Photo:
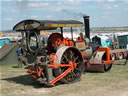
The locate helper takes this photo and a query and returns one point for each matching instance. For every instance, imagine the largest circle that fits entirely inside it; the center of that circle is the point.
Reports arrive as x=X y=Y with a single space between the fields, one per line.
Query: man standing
x=126 y=52
x=19 y=54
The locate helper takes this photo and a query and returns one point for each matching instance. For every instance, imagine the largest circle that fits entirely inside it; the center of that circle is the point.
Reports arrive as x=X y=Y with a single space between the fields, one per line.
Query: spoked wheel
x=113 y=56
x=56 y=42
x=121 y=56
x=53 y=42
x=69 y=56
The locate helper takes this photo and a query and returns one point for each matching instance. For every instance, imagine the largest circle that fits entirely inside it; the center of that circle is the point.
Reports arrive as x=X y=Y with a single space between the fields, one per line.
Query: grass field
x=16 y=82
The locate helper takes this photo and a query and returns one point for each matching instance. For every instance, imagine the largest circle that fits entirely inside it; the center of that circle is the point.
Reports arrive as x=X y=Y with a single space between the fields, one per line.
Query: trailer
x=118 y=54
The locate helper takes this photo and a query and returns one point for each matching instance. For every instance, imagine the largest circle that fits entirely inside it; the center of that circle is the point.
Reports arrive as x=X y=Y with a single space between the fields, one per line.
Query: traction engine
x=62 y=59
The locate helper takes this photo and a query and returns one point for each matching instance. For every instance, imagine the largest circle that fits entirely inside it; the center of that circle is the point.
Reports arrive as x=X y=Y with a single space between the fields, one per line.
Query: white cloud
x=13 y=11
x=107 y=13
x=109 y=7
x=20 y=0
x=37 y=4
x=73 y=2
x=111 y=0
x=50 y=18
x=5 y=0
x=96 y=0
x=34 y=17
x=59 y=3
x=13 y=0
x=8 y=19
x=59 y=9
x=34 y=0
x=116 y=6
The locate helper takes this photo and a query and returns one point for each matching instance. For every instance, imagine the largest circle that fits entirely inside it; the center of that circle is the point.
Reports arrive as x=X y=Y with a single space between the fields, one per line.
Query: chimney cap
x=86 y=16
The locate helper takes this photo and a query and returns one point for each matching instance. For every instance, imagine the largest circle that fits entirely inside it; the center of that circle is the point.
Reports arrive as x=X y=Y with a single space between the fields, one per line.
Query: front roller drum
x=69 y=55
x=99 y=68
x=98 y=58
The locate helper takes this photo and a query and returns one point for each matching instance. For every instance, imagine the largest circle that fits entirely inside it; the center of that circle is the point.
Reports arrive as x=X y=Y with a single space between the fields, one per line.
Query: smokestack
x=86 y=26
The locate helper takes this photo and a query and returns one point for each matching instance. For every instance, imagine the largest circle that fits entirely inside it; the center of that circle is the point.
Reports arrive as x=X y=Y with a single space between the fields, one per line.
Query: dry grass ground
x=16 y=82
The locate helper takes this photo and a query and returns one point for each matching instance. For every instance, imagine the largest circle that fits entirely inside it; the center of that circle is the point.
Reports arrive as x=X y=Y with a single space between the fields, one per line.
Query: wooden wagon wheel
x=69 y=55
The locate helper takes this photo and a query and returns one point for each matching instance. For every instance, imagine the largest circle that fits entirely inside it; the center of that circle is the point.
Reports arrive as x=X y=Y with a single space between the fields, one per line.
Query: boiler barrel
x=88 y=52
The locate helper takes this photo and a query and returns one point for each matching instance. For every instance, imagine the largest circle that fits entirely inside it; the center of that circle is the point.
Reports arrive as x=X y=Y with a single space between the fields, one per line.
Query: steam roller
x=58 y=59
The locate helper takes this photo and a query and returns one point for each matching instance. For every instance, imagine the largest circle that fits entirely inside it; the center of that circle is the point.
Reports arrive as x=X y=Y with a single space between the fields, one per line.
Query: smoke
x=22 y=4
x=74 y=14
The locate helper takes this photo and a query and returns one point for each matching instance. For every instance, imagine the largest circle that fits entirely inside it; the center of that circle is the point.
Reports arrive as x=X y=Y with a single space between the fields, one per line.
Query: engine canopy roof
x=45 y=24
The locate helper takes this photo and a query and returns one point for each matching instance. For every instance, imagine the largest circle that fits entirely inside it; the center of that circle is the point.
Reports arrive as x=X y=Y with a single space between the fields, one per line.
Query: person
x=81 y=36
x=126 y=53
x=19 y=54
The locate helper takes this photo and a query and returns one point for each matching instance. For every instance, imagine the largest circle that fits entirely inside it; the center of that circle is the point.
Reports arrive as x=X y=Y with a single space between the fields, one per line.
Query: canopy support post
x=72 y=33
x=61 y=28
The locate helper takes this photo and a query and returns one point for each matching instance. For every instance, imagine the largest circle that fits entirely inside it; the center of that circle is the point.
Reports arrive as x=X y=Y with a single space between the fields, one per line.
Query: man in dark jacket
x=19 y=53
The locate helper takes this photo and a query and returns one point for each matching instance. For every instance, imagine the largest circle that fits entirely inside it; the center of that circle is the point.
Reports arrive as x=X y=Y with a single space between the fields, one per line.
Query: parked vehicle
x=116 y=53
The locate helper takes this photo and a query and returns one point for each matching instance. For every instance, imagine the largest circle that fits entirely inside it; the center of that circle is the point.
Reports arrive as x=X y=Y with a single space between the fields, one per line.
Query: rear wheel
x=69 y=55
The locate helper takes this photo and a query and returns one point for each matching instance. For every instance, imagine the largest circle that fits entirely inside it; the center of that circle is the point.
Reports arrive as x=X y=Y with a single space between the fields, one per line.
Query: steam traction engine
x=61 y=59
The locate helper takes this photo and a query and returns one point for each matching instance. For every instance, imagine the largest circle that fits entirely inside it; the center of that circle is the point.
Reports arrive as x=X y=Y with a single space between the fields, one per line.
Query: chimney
x=86 y=26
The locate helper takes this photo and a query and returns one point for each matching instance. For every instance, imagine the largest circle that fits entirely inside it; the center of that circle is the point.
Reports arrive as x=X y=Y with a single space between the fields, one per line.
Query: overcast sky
x=103 y=13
